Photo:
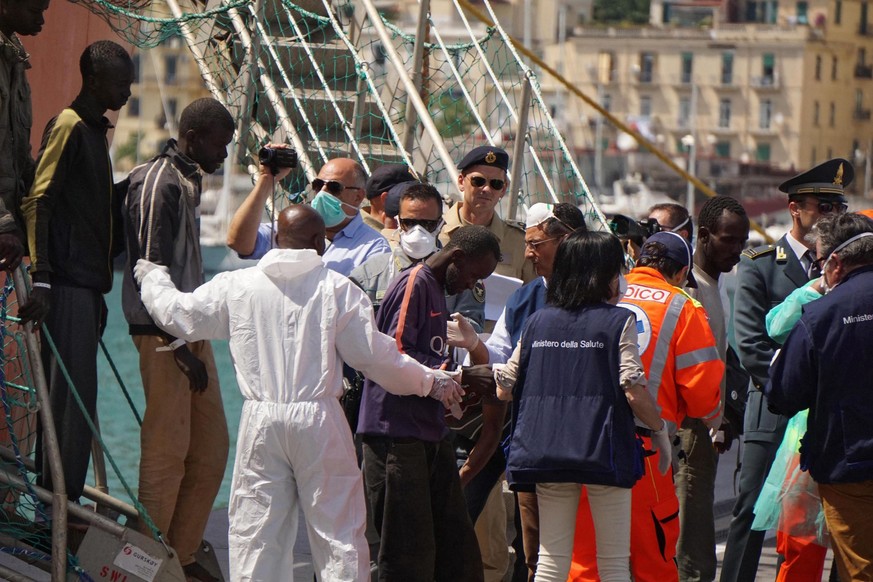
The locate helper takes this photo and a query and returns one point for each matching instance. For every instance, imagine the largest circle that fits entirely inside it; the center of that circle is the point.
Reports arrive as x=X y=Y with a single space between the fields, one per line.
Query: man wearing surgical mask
x=419 y=218
x=337 y=194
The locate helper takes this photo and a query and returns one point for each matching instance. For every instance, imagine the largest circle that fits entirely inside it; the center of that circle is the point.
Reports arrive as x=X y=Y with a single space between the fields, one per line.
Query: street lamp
x=688 y=142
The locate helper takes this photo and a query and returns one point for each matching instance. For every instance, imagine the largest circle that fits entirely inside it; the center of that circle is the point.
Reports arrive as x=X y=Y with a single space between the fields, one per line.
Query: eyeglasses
x=480 y=181
x=533 y=244
x=829 y=207
x=819 y=263
x=428 y=225
x=333 y=187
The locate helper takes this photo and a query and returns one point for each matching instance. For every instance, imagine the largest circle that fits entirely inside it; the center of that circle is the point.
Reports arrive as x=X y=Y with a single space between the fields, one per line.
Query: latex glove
x=37 y=307
x=11 y=251
x=192 y=366
x=661 y=443
x=446 y=390
x=460 y=333
x=144 y=267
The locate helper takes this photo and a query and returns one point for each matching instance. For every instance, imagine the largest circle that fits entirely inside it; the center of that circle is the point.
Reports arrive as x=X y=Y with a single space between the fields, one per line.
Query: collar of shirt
x=351 y=229
x=454 y=221
x=189 y=168
x=90 y=116
x=799 y=250
x=12 y=47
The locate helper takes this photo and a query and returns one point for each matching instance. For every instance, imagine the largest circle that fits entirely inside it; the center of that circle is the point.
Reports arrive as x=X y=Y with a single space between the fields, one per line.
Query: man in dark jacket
x=73 y=217
x=17 y=18
x=824 y=366
x=184 y=437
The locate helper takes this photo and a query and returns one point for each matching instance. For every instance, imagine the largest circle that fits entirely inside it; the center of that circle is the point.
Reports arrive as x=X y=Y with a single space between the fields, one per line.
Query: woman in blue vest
x=578 y=382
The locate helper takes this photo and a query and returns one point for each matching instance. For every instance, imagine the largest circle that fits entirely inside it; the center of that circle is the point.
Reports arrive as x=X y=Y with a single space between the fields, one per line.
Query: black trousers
x=75 y=324
x=419 y=509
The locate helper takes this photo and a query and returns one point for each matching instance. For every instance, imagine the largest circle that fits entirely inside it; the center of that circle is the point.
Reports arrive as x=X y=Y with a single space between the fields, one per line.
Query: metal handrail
x=57 y=497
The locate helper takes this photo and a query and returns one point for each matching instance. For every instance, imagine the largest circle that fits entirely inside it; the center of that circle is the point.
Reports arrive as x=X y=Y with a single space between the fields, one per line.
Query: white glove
x=446 y=390
x=661 y=443
x=144 y=267
x=460 y=333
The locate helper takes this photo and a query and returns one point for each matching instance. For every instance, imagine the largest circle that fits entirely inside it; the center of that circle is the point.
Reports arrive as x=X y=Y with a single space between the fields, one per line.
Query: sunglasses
x=479 y=182
x=332 y=186
x=829 y=207
x=428 y=225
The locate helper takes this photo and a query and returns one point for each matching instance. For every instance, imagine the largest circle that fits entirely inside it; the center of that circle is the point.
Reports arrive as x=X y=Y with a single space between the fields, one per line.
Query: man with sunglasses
x=337 y=192
x=765 y=277
x=420 y=218
x=673 y=217
x=483 y=182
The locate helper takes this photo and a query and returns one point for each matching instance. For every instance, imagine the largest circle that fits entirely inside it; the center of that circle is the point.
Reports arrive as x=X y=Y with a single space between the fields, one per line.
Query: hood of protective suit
x=285 y=264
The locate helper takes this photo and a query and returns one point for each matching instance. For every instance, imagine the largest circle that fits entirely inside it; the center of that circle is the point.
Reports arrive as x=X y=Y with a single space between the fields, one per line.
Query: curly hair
x=204 y=115
x=100 y=55
x=713 y=208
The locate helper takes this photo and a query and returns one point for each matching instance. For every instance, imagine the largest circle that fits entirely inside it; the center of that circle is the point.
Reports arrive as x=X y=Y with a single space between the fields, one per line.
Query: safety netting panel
x=318 y=75
x=25 y=522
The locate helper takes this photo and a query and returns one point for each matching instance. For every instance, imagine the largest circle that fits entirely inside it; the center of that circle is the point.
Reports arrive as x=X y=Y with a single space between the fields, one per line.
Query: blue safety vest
x=571 y=422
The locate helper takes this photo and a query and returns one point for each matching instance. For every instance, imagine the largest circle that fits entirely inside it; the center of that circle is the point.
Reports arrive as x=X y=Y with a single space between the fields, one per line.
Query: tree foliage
x=621 y=11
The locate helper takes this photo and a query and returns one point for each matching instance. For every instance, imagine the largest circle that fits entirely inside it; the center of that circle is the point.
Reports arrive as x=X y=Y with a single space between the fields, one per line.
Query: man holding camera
x=338 y=192
x=184 y=432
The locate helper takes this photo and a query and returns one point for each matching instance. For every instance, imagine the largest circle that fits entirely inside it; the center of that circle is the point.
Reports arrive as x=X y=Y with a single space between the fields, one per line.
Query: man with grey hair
x=824 y=366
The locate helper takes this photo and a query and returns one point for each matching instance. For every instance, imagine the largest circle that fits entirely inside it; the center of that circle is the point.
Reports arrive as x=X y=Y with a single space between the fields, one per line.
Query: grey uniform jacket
x=765 y=277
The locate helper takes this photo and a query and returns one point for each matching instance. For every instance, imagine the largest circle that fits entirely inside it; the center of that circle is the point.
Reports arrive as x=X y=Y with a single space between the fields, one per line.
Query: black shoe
x=195 y=571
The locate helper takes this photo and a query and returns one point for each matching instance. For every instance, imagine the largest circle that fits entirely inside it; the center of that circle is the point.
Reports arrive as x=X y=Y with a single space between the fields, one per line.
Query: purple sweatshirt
x=413 y=312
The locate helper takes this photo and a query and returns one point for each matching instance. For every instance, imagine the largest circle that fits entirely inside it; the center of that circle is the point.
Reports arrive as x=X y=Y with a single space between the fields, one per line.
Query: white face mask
x=622 y=286
x=417 y=242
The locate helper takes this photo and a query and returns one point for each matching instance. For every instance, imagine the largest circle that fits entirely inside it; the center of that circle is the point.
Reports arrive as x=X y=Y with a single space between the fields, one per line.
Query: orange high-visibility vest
x=677 y=348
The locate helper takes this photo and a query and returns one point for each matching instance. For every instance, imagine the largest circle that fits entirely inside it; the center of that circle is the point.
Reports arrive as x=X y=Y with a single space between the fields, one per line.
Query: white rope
x=294 y=97
x=374 y=92
x=460 y=80
x=347 y=128
x=551 y=122
x=498 y=84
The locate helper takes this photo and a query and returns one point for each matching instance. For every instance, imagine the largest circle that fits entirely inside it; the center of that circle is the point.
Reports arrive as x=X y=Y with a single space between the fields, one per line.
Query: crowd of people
x=384 y=406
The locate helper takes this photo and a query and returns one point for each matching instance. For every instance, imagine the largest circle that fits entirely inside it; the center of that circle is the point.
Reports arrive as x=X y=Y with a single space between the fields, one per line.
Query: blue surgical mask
x=329 y=207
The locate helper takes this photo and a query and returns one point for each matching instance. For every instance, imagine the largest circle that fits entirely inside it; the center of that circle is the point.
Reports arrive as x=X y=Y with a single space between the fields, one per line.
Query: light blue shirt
x=350 y=247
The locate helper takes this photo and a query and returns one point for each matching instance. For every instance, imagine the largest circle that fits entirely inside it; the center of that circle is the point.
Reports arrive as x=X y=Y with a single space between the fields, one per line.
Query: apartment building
x=789 y=88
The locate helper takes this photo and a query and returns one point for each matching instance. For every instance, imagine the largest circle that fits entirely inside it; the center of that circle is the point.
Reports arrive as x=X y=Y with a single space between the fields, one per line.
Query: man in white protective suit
x=291 y=324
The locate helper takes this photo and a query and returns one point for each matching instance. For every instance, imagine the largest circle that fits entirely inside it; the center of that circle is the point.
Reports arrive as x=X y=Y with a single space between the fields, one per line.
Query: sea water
x=118 y=425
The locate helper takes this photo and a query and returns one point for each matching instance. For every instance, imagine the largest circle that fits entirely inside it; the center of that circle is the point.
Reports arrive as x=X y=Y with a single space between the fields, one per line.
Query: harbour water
x=118 y=425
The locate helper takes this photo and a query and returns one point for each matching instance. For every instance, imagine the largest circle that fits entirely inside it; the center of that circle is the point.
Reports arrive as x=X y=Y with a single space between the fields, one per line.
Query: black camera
x=636 y=230
x=275 y=158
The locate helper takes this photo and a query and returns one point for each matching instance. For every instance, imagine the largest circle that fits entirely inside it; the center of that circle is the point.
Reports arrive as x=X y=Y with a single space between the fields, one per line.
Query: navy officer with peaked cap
x=483 y=182
x=766 y=276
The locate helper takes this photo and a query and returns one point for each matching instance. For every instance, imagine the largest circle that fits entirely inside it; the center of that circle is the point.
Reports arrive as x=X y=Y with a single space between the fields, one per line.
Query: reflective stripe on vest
x=662 y=347
x=696 y=357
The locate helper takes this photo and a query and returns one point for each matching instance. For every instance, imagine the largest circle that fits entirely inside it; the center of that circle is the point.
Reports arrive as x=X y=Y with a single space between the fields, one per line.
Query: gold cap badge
x=838 y=179
x=490 y=158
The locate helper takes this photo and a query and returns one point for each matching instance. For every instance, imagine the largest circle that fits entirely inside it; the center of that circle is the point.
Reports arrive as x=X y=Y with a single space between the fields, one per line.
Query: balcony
x=861 y=115
x=863 y=71
x=766 y=82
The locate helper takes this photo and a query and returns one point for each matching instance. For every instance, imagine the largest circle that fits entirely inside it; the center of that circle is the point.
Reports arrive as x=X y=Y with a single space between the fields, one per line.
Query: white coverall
x=291 y=323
